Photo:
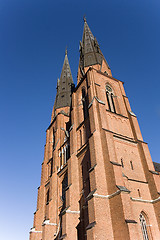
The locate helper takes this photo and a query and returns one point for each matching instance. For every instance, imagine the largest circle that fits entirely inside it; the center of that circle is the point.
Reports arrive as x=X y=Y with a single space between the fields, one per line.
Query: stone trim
x=91 y=194
x=80 y=125
x=141 y=141
x=145 y=201
x=117 y=113
x=92 y=168
x=82 y=149
x=115 y=163
x=98 y=100
x=91 y=225
x=91 y=134
x=97 y=84
x=130 y=221
x=47 y=222
x=134 y=180
x=47 y=183
x=132 y=113
x=66 y=132
x=71 y=127
x=68 y=187
x=73 y=212
x=63 y=236
x=124 y=138
x=107 y=196
x=64 y=211
x=34 y=231
x=154 y=172
x=62 y=170
x=121 y=136
x=50 y=160
x=91 y=103
x=123 y=189
x=36 y=211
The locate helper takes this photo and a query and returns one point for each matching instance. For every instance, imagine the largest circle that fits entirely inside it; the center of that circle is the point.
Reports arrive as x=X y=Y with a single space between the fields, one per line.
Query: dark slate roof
x=64 y=86
x=156 y=166
x=90 y=53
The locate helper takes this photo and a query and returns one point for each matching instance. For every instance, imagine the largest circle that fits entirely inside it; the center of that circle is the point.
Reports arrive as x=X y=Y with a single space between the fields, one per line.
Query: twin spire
x=90 y=54
x=64 y=86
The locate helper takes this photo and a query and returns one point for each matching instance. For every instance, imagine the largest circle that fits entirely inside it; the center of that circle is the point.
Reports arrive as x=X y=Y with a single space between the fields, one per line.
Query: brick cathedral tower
x=98 y=180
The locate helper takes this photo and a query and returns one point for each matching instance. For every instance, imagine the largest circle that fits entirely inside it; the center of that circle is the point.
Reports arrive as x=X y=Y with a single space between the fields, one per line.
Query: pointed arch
x=145 y=226
x=110 y=98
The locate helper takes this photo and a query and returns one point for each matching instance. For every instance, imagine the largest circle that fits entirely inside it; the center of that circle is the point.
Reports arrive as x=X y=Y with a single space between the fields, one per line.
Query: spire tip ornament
x=66 y=51
x=84 y=18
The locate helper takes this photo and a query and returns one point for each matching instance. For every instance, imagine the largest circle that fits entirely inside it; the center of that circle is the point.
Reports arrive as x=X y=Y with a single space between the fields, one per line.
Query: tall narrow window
x=60 y=155
x=80 y=136
x=139 y=194
x=51 y=166
x=64 y=185
x=84 y=102
x=109 y=106
x=114 y=110
x=67 y=152
x=110 y=99
x=144 y=227
x=53 y=139
x=122 y=164
x=131 y=165
x=65 y=156
x=47 y=197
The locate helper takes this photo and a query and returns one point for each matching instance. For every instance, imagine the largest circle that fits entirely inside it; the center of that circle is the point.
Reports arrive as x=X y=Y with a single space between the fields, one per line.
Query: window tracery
x=110 y=99
x=144 y=227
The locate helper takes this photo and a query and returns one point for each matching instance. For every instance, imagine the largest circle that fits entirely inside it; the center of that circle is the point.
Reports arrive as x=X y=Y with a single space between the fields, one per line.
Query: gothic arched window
x=110 y=99
x=144 y=227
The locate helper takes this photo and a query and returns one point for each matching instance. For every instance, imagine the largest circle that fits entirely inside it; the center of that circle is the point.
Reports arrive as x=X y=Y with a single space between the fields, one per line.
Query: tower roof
x=90 y=53
x=64 y=85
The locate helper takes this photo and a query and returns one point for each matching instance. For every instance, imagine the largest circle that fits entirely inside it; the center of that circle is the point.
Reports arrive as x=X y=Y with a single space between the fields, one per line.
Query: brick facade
x=98 y=178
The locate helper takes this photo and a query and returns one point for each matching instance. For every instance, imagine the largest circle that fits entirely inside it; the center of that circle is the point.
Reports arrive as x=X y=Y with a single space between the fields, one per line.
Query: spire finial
x=66 y=51
x=84 y=18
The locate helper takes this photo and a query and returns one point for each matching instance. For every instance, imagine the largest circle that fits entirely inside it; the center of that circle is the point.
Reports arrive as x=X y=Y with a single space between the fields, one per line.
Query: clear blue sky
x=33 y=37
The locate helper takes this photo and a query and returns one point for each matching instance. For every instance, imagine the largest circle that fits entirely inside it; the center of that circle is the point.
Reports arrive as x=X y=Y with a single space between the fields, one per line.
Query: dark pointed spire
x=90 y=53
x=64 y=85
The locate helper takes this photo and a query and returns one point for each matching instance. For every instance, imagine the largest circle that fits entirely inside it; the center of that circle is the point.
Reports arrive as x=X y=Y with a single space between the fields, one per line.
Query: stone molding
x=47 y=222
x=34 y=231
x=145 y=201
x=73 y=212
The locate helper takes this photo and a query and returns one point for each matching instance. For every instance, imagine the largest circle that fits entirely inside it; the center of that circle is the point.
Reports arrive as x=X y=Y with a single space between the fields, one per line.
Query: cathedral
x=98 y=181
